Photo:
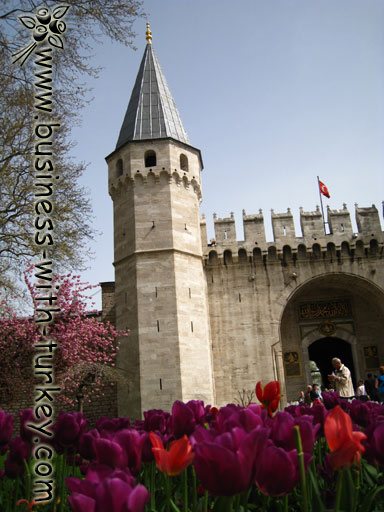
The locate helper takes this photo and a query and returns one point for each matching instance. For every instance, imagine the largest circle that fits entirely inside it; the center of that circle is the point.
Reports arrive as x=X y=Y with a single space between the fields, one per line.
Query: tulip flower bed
x=198 y=458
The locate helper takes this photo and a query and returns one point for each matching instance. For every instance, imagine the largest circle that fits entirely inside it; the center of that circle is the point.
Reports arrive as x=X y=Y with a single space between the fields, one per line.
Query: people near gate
x=361 y=392
x=307 y=395
x=341 y=379
x=380 y=384
x=370 y=388
x=316 y=393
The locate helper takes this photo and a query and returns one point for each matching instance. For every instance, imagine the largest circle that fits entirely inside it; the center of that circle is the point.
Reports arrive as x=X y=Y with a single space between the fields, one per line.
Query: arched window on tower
x=183 y=162
x=119 y=168
x=150 y=158
x=227 y=257
x=242 y=256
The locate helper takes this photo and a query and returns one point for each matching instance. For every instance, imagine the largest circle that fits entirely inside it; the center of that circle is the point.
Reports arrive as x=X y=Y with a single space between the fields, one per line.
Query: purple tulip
x=68 y=430
x=374 y=444
x=103 y=490
x=360 y=413
x=155 y=420
x=18 y=451
x=112 y=424
x=108 y=452
x=183 y=420
x=225 y=464
x=198 y=410
x=26 y=416
x=6 y=427
x=277 y=471
x=332 y=399
x=248 y=419
x=282 y=433
x=86 y=444
x=131 y=443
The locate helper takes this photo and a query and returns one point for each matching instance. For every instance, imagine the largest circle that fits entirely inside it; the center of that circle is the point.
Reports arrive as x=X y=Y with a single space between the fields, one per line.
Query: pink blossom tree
x=86 y=347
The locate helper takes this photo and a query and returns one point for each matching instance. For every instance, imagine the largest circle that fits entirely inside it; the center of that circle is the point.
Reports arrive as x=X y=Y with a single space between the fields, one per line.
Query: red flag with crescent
x=323 y=189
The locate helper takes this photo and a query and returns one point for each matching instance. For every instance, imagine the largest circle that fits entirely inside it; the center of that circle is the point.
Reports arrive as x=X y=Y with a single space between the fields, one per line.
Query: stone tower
x=161 y=293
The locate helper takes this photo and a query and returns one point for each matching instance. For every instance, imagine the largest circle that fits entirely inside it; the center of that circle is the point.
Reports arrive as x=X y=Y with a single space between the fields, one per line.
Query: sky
x=273 y=93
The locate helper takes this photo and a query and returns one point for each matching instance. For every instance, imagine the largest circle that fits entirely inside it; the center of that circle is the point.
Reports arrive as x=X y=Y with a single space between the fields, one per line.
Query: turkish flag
x=323 y=189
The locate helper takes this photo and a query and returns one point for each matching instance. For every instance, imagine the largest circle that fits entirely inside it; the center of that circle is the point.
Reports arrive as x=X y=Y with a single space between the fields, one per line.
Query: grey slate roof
x=151 y=113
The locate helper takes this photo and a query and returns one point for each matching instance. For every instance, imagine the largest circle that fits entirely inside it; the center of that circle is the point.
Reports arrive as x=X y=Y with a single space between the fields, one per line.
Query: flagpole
x=321 y=203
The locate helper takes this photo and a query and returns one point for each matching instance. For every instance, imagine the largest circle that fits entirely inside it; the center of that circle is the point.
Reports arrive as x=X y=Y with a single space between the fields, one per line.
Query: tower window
x=119 y=168
x=150 y=158
x=183 y=162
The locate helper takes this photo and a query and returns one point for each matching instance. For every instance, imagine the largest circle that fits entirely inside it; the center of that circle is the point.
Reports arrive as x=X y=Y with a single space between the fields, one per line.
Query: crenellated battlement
x=339 y=241
x=155 y=176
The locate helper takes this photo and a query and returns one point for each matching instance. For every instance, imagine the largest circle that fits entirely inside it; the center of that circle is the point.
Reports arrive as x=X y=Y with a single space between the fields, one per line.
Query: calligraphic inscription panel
x=292 y=364
x=326 y=309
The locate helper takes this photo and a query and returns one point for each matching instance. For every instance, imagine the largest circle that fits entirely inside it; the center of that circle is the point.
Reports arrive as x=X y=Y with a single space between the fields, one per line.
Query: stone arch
x=213 y=258
x=150 y=159
x=345 y=249
x=227 y=257
x=344 y=346
x=257 y=255
x=139 y=180
x=301 y=252
x=373 y=248
x=185 y=182
x=242 y=255
x=164 y=177
x=331 y=251
x=119 y=168
x=183 y=162
x=287 y=254
x=356 y=306
x=316 y=251
x=151 y=180
x=359 y=249
x=176 y=178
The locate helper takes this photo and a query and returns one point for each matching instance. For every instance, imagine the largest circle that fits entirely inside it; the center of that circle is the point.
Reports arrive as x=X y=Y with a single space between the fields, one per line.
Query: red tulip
x=270 y=396
x=174 y=461
x=345 y=445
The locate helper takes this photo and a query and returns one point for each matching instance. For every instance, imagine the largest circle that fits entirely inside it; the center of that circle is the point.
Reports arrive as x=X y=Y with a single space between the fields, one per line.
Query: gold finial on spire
x=148 y=35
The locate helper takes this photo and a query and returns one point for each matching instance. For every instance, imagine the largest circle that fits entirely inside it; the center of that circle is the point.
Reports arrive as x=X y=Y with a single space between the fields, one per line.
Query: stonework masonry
x=255 y=289
x=208 y=320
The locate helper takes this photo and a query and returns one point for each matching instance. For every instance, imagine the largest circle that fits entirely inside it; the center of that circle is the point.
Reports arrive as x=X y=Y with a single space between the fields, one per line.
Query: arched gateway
x=333 y=315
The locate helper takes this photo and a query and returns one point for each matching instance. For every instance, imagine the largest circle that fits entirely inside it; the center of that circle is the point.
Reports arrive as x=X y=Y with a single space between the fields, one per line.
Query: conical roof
x=152 y=112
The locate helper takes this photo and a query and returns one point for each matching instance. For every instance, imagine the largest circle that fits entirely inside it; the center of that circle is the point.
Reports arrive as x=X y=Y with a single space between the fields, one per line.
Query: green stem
x=300 y=454
x=237 y=502
x=205 y=501
x=339 y=487
x=245 y=500
x=16 y=497
x=194 y=494
x=286 y=503
x=28 y=481
x=228 y=504
x=168 y=492
x=357 y=490
x=185 y=491
x=152 y=485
